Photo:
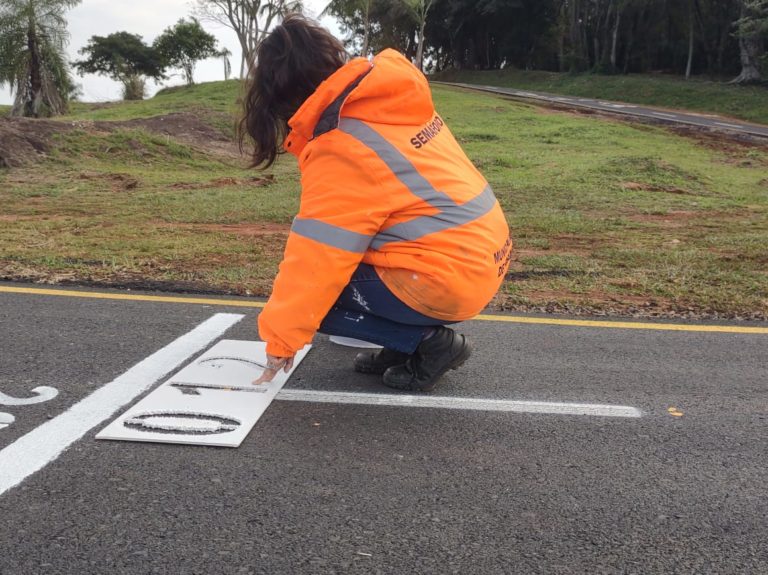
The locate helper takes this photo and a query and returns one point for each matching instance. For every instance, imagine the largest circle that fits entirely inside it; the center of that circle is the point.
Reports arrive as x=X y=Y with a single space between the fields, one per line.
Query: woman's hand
x=274 y=365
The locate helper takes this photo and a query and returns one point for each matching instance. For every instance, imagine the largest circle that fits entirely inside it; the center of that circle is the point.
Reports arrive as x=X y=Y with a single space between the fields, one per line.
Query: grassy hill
x=216 y=97
x=745 y=102
x=607 y=217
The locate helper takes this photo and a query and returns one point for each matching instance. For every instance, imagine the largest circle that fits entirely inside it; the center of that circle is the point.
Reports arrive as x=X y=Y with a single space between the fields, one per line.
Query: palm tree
x=33 y=35
x=224 y=54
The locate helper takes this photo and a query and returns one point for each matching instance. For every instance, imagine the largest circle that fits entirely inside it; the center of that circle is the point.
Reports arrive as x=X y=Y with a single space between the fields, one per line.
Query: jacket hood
x=387 y=90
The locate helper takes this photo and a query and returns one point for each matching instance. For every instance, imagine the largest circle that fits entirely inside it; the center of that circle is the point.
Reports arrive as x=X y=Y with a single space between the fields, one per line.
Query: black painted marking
x=191 y=388
x=238 y=359
x=140 y=423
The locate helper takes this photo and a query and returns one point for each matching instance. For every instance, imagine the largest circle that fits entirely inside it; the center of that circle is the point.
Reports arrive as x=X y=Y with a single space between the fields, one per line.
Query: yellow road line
x=626 y=324
x=482 y=317
x=132 y=297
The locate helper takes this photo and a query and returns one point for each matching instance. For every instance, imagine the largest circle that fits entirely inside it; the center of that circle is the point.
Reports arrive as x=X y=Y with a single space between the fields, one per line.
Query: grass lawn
x=211 y=96
x=607 y=217
x=745 y=102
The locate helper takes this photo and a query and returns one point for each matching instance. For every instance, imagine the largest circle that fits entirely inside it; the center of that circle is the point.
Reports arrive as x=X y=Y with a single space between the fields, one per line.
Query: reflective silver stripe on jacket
x=405 y=171
x=451 y=217
x=331 y=235
x=450 y=214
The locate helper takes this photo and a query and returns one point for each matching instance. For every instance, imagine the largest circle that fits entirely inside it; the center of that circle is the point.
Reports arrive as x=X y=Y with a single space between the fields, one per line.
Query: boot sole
x=369 y=371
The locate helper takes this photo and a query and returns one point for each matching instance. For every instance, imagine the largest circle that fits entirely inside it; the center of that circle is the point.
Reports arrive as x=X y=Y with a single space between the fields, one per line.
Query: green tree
x=183 y=45
x=250 y=20
x=33 y=36
x=355 y=19
x=372 y=25
x=419 y=10
x=125 y=58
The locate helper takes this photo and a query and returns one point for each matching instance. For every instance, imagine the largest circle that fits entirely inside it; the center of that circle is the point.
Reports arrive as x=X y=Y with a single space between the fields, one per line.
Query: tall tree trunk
x=420 y=47
x=630 y=45
x=366 y=28
x=615 y=39
x=706 y=40
x=577 y=45
x=691 y=22
x=562 y=36
x=750 y=46
x=596 y=47
x=605 y=55
x=722 y=46
x=35 y=69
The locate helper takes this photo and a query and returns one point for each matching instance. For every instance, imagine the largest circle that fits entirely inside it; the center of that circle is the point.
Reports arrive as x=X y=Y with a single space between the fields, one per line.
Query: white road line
x=729 y=125
x=459 y=403
x=663 y=115
x=42 y=445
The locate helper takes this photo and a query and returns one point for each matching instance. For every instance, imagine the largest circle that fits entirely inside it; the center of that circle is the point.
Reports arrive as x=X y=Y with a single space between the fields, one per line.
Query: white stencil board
x=209 y=402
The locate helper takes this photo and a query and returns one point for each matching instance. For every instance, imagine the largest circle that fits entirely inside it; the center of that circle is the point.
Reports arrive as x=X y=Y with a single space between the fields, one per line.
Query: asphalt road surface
x=675 y=483
x=663 y=116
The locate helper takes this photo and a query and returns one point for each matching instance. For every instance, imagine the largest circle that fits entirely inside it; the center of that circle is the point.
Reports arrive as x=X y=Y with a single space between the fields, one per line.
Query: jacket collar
x=329 y=96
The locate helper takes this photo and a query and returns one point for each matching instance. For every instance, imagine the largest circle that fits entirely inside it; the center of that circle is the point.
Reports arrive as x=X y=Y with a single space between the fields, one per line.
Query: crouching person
x=397 y=235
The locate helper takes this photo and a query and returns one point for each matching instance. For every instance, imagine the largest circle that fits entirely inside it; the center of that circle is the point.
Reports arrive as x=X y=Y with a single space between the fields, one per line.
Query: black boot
x=443 y=351
x=378 y=362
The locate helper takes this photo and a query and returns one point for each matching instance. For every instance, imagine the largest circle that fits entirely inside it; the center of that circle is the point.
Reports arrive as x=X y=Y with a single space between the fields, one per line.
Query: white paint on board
x=464 y=403
x=44 y=444
x=42 y=394
x=212 y=401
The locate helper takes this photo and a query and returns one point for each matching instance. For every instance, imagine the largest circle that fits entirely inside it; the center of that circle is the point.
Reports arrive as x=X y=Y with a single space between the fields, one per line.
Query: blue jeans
x=367 y=310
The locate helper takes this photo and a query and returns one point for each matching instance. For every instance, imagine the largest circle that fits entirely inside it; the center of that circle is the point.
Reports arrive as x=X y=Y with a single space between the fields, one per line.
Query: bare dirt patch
x=733 y=149
x=597 y=303
x=562 y=245
x=673 y=219
x=27 y=140
x=23 y=141
x=252 y=230
x=655 y=188
x=43 y=217
x=182 y=126
x=253 y=181
x=118 y=182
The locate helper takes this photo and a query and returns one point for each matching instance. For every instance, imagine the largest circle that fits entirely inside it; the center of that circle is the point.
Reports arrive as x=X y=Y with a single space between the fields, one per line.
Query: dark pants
x=367 y=310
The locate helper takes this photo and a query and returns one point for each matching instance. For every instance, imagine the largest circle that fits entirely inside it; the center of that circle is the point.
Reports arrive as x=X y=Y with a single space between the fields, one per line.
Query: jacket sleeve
x=341 y=210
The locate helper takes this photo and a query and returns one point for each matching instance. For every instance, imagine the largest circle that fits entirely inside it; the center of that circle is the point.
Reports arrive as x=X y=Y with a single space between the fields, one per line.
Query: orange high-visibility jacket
x=383 y=182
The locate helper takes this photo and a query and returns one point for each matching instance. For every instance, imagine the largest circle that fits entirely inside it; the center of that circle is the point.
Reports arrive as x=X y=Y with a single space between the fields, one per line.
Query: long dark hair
x=290 y=64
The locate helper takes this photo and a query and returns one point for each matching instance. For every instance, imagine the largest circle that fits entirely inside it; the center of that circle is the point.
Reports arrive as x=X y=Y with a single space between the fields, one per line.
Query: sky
x=148 y=18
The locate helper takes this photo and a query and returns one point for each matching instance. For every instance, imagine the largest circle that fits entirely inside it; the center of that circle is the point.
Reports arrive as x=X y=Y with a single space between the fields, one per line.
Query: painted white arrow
x=44 y=393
